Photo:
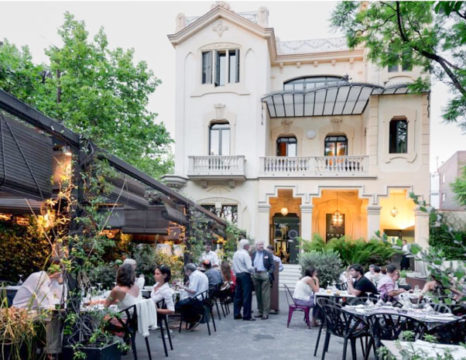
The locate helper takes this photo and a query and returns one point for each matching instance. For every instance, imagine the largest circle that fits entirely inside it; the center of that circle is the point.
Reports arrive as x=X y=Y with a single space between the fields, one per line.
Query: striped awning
x=338 y=99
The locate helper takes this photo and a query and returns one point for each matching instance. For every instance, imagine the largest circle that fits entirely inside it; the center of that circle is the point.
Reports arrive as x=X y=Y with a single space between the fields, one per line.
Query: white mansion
x=293 y=138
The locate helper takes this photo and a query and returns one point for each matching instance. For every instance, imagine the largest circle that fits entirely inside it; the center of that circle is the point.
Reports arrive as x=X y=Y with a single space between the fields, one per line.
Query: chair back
x=390 y=326
x=335 y=319
x=160 y=305
x=322 y=301
x=441 y=308
x=131 y=323
x=289 y=296
x=450 y=333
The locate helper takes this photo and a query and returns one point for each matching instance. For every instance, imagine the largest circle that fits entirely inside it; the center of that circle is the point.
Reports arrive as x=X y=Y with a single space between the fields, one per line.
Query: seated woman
x=161 y=290
x=436 y=287
x=305 y=289
x=227 y=290
x=125 y=293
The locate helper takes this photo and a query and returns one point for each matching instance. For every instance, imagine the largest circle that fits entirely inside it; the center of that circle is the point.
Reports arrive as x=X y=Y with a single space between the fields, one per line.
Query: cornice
x=355 y=55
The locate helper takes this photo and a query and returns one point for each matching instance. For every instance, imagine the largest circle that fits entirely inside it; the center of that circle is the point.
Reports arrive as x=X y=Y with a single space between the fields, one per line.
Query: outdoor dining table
x=424 y=349
x=429 y=318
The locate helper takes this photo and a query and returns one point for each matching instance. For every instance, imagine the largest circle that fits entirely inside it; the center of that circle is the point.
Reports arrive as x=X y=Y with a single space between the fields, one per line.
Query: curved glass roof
x=333 y=99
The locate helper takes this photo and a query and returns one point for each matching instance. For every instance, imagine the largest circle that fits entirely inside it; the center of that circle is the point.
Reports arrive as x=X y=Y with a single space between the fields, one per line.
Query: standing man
x=405 y=258
x=242 y=267
x=210 y=255
x=262 y=261
x=361 y=285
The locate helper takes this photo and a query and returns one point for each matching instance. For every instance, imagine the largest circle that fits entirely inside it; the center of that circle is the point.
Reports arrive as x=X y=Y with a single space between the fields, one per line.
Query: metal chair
x=345 y=325
x=384 y=326
x=321 y=302
x=162 y=323
x=292 y=307
x=450 y=333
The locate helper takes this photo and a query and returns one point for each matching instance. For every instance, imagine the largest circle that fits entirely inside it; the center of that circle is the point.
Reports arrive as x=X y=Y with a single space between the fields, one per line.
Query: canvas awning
x=338 y=99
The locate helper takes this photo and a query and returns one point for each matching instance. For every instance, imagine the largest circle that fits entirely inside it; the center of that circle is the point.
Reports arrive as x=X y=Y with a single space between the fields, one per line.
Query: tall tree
x=459 y=187
x=94 y=90
x=428 y=34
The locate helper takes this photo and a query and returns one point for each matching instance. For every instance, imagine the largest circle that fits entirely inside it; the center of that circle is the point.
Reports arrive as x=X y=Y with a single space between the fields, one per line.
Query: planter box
x=109 y=352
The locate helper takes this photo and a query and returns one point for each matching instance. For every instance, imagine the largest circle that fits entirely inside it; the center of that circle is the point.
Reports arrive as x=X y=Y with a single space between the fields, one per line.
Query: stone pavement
x=243 y=340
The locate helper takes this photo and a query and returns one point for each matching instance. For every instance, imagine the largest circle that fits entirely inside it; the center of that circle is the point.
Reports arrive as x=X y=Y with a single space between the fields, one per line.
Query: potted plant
x=86 y=337
x=18 y=329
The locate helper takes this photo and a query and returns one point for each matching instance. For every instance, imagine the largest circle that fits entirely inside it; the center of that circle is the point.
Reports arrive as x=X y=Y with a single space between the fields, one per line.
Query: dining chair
x=320 y=303
x=388 y=326
x=207 y=311
x=345 y=325
x=162 y=323
x=292 y=307
x=453 y=332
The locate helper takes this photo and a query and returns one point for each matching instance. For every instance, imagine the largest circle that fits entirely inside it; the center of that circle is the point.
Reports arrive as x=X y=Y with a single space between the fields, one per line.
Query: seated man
x=45 y=289
x=362 y=286
x=214 y=276
x=190 y=306
x=387 y=284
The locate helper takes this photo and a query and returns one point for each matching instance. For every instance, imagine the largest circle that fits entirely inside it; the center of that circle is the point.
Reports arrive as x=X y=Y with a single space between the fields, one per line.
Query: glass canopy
x=333 y=99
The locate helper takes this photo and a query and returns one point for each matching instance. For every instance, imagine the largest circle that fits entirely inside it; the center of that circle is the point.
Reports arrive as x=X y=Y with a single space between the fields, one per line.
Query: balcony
x=217 y=167
x=315 y=166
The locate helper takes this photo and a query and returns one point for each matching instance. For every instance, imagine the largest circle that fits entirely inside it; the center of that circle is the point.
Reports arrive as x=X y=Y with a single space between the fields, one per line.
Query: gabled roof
x=220 y=12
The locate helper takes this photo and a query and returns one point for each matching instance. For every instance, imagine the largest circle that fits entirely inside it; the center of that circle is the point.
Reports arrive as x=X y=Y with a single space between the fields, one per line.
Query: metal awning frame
x=360 y=92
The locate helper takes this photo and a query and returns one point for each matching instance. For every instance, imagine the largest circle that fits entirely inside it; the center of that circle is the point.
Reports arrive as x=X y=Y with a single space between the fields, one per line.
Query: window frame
x=221 y=77
x=338 y=140
x=290 y=137
x=220 y=144
x=393 y=144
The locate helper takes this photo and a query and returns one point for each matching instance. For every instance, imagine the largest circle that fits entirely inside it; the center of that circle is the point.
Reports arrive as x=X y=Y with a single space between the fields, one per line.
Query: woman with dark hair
x=162 y=290
x=229 y=278
x=126 y=292
x=305 y=289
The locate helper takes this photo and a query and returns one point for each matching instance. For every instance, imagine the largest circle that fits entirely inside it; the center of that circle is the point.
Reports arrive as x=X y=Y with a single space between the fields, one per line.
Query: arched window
x=336 y=145
x=287 y=146
x=219 y=139
x=313 y=82
x=398 y=136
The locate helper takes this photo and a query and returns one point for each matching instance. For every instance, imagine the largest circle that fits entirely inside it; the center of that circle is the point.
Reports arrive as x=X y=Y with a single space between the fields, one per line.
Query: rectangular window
x=230 y=213
x=220 y=68
x=398 y=137
x=233 y=64
x=207 y=67
x=393 y=68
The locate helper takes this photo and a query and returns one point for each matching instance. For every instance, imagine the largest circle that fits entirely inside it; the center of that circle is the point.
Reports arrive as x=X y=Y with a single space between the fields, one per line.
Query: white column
x=262 y=223
x=373 y=220
x=421 y=228
x=306 y=222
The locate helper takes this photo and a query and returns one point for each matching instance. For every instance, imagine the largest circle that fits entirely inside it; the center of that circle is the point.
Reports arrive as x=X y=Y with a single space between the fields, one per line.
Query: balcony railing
x=216 y=166
x=314 y=166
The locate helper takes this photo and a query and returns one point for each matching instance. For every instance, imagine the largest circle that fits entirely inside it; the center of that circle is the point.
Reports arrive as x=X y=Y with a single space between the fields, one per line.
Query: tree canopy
x=459 y=187
x=94 y=90
x=428 y=34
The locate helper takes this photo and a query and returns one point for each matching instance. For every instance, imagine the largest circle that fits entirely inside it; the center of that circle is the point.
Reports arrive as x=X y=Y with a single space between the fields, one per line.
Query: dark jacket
x=268 y=262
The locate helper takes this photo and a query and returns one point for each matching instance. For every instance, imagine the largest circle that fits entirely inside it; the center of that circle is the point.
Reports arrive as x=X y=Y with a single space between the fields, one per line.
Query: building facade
x=294 y=138
x=448 y=172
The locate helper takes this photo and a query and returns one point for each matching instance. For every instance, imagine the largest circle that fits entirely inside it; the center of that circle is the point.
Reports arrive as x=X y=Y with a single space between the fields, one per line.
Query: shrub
x=327 y=263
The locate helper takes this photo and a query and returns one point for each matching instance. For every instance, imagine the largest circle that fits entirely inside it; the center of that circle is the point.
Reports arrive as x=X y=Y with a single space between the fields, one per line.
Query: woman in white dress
x=305 y=289
x=162 y=290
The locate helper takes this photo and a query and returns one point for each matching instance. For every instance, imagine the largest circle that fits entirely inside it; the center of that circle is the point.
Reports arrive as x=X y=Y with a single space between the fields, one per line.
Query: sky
x=144 y=26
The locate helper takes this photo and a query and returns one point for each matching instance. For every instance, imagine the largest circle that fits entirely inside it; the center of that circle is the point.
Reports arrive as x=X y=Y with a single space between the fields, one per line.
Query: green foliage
x=233 y=235
x=459 y=187
x=450 y=243
x=22 y=250
x=354 y=251
x=428 y=34
x=99 y=92
x=327 y=263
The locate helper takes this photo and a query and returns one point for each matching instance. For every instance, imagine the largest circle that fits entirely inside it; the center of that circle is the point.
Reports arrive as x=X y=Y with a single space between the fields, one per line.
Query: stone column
x=373 y=220
x=306 y=222
x=262 y=223
x=421 y=228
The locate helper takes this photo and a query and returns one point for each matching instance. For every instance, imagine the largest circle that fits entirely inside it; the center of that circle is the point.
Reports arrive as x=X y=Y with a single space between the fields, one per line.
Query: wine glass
x=20 y=281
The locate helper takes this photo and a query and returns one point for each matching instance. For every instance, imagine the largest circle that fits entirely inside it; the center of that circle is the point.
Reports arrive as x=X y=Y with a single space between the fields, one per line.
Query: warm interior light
x=5 y=217
x=284 y=211
x=66 y=150
x=394 y=211
x=337 y=218
x=22 y=221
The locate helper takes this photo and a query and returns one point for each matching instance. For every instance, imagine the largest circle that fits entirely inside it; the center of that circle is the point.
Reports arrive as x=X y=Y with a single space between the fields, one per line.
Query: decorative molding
x=311 y=46
x=219 y=28
x=286 y=124
x=219 y=111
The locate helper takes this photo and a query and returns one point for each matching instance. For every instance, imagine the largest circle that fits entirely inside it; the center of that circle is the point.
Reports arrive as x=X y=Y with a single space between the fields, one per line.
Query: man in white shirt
x=190 y=306
x=210 y=255
x=242 y=267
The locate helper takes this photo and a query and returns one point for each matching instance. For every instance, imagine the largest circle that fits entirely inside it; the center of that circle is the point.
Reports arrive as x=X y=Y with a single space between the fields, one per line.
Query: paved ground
x=242 y=340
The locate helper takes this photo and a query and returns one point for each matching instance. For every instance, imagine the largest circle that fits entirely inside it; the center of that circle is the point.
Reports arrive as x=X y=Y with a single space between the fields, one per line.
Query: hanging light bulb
x=337 y=217
x=394 y=211
x=284 y=211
